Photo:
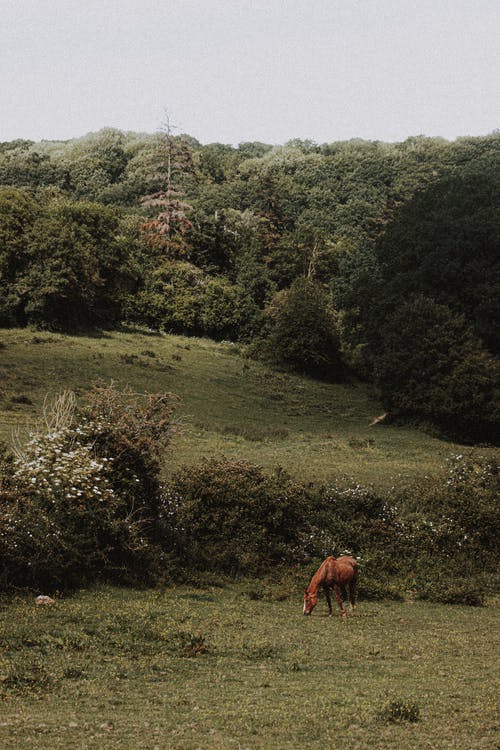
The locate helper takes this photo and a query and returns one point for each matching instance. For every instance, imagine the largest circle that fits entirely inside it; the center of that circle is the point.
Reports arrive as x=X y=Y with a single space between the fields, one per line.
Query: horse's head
x=310 y=601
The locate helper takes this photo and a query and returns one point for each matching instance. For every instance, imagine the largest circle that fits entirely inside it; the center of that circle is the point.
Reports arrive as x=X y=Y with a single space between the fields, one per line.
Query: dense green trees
x=180 y=298
x=62 y=264
x=445 y=243
x=398 y=236
x=17 y=212
x=422 y=303
x=430 y=366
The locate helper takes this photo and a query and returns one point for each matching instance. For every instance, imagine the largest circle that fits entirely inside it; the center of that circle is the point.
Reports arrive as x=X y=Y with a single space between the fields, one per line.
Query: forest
x=349 y=260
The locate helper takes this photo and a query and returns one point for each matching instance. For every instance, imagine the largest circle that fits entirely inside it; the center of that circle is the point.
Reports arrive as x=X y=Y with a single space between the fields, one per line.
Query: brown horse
x=336 y=574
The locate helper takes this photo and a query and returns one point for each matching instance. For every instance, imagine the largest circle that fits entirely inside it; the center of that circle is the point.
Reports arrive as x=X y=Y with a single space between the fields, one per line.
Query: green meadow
x=236 y=665
x=229 y=404
x=240 y=667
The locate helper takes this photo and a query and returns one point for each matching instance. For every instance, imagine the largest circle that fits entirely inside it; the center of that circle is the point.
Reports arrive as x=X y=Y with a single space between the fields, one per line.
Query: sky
x=231 y=71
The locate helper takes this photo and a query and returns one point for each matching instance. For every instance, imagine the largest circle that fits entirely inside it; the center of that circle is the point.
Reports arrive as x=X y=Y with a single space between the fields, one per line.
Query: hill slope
x=229 y=404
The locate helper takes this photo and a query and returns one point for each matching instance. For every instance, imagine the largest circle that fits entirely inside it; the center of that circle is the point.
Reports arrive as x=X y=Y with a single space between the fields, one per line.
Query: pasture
x=229 y=405
x=241 y=667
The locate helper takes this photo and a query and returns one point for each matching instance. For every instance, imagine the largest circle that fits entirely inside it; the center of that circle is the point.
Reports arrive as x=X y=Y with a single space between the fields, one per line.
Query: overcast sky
x=233 y=71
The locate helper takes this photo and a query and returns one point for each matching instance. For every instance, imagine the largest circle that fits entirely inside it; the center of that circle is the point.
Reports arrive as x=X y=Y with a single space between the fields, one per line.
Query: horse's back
x=346 y=568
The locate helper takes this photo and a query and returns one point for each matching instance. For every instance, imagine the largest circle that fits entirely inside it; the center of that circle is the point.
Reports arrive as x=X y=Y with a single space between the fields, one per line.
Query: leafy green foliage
x=380 y=224
x=17 y=212
x=443 y=244
x=96 y=164
x=228 y=312
x=180 y=298
x=303 y=329
x=456 y=517
x=355 y=518
x=82 y=497
x=430 y=366
x=62 y=264
x=231 y=516
x=452 y=591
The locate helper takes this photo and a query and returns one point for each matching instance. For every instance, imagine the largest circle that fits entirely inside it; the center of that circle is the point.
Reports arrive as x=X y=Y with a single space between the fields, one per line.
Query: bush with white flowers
x=80 y=498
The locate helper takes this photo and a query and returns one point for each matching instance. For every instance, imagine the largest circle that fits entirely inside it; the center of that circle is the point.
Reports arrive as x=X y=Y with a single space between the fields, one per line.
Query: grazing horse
x=336 y=574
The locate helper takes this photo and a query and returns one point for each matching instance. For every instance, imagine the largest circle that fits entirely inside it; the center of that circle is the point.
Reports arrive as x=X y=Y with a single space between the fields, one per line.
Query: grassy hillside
x=218 y=668
x=229 y=404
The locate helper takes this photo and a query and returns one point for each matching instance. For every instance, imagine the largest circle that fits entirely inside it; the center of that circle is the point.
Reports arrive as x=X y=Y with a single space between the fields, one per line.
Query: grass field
x=230 y=405
x=236 y=667
x=207 y=668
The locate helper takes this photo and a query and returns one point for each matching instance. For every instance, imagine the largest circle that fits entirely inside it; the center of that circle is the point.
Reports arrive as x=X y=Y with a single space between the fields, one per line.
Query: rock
x=44 y=600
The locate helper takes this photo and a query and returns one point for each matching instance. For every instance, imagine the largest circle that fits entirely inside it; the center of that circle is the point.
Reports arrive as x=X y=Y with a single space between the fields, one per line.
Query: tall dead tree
x=171 y=162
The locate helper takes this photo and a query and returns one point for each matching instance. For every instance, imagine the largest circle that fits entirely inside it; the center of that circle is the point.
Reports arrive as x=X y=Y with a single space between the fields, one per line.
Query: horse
x=336 y=574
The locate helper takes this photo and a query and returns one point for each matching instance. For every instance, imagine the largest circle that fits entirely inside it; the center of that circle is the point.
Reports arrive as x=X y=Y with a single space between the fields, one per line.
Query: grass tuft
x=398 y=710
x=190 y=644
x=30 y=676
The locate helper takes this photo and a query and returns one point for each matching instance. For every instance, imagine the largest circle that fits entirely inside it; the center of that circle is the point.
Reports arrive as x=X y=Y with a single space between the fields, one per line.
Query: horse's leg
x=329 y=600
x=352 y=591
x=339 y=600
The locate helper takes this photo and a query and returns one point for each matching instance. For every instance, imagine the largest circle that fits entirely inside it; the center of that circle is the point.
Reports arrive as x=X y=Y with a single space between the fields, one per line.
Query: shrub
x=452 y=591
x=228 y=311
x=303 y=329
x=170 y=298
x=456 y=515
x=232 y=517
x=354 y=517
x=81 y=499
x=131 y=431
x=181 y=298
x=66 y=495
x=373 y=589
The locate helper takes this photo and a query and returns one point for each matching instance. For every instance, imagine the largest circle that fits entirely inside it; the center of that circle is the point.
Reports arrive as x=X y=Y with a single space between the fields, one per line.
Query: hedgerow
x=82 y=500
x=232 y=516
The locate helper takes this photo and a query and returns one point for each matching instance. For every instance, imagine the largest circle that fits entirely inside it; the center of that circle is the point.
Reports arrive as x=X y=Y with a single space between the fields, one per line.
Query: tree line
x=366 y=258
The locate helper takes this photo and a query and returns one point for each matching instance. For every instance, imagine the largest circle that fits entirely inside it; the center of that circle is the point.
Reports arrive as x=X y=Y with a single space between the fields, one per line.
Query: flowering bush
x=132 y=433
x=358 y=516
x=458 y=515
x=81 y=497
x=61 y=468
